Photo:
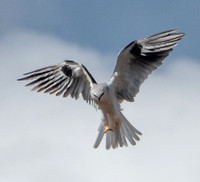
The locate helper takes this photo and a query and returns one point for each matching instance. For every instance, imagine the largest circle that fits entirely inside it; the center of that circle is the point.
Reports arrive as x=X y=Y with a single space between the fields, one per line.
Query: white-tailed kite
x=135 y=62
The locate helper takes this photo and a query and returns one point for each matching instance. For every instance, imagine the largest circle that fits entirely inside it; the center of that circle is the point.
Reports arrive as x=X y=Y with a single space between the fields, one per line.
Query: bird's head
x=98 y=91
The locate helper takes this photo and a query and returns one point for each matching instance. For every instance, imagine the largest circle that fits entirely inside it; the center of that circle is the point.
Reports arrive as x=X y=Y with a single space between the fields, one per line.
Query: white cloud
x=47 y=138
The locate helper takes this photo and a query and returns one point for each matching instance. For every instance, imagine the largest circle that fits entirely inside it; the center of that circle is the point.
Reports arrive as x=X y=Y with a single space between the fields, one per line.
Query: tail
x=117 y=135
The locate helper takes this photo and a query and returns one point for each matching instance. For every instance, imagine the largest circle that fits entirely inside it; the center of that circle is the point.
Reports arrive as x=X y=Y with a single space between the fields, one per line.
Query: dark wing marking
x=67 y=78
x=138 y=59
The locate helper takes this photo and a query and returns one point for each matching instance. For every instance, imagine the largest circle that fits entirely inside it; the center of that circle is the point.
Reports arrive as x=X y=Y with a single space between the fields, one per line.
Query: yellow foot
x=107 y=129
x=116 y=125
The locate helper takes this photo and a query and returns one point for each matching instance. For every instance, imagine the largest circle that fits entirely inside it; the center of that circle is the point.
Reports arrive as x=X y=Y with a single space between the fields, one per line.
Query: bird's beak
x=101 y=96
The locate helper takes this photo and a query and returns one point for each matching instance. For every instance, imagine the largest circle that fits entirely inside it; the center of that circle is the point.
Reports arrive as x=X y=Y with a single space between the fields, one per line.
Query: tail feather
x=121 y=138
x=128 y=134
x=109 y=141
x=100 y=135
x=117 y=136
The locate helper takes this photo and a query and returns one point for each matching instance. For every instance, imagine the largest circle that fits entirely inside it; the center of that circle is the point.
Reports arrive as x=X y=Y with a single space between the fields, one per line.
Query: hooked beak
x=101 y=96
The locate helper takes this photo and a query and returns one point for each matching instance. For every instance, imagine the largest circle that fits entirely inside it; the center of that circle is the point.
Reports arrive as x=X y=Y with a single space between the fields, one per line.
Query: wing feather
x=138 y=59
x=67 y=78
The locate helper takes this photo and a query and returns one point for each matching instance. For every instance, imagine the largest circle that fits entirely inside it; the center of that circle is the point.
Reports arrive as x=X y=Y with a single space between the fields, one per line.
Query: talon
x=107 y=129
x=116 y=124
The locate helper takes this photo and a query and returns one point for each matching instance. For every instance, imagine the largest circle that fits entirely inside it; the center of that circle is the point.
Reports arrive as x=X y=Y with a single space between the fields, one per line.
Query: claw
x=116 y=125
x=107 y=129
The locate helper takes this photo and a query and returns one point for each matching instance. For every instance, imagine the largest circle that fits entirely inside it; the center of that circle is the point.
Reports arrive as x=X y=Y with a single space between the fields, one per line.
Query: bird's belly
x=108 y=106
x=111 y=113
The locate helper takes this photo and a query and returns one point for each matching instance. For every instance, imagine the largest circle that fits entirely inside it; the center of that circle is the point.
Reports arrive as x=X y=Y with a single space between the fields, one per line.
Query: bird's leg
x=107 y=128
x=106 y=123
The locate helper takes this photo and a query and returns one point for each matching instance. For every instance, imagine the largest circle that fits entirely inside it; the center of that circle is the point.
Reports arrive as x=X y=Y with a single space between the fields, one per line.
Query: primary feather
x=67 y=78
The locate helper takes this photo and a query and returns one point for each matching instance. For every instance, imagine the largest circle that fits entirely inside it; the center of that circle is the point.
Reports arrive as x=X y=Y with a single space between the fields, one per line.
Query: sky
x=48 y=138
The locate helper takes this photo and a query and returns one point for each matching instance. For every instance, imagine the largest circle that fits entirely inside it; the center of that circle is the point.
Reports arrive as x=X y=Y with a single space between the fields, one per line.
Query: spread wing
x=67 y=78
x=138 y=59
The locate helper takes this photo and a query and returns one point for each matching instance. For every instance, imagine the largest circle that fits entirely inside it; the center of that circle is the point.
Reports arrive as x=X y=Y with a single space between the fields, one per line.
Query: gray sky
x=48 y=138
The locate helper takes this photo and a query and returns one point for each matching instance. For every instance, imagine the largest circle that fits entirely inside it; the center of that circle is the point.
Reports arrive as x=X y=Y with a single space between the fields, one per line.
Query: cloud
x=48 y=138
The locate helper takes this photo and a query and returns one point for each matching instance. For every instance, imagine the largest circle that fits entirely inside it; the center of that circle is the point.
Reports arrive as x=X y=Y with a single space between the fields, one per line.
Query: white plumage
x=135 y=62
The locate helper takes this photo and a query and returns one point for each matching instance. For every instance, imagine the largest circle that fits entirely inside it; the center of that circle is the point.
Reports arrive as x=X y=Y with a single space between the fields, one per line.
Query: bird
x=134 y=64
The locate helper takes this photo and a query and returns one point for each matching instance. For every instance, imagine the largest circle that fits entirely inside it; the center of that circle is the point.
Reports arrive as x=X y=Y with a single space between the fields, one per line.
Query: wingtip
x=20 y=79
x=182 y=34
x=172 y=30
x=176 y=32
x=23 y=78
x=27 y=73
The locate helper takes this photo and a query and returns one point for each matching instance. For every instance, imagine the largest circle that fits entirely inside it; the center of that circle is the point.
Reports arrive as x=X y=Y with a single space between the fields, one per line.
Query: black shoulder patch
x=67 y=70
x=93 y=80
x=136 y=49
